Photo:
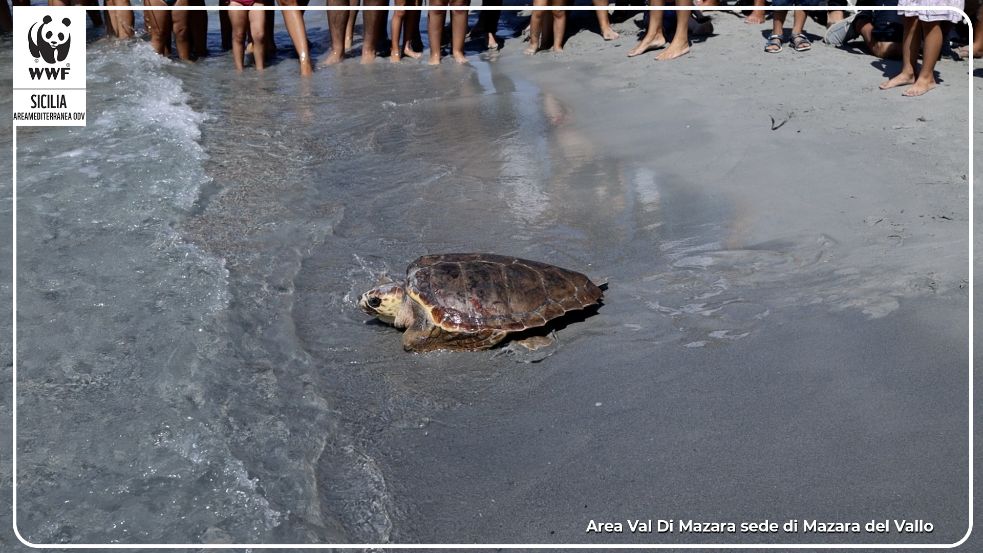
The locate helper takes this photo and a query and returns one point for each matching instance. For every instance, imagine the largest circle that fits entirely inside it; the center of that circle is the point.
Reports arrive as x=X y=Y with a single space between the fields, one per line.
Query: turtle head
x=383 y=301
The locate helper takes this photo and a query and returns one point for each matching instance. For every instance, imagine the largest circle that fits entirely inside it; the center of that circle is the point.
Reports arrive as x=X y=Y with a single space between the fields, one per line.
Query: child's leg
x=798 y=22
x=604 y=20
x=396 y=29
x=680 y=39
x=435 y=28
x=411 y=33
x=459 y=29
x=778 y=22
x=535 y=27
x=239 y=20
x=909 y=55
x=933 y=35
x=182 y=34
x=756 y=17
x=559 y=26
x=257 y=27
x=653 y=38
x=337 y=24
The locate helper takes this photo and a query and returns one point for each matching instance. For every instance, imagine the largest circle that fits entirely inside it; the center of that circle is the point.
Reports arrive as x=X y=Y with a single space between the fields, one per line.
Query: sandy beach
x=783 y=336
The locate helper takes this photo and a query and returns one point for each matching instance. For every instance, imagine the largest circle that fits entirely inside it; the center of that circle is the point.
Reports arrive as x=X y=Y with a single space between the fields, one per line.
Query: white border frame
x=965 y=537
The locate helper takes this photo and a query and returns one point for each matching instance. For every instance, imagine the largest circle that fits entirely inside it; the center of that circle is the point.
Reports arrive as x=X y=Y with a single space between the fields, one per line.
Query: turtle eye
x=375 y=302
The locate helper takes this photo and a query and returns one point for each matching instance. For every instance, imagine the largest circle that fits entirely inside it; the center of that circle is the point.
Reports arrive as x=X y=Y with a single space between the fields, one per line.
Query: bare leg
x=680 y=40
x=298 y=35
x=411 y=32
x=395 y=31
x=160 y=27
x=182 y=36
x=832 y=16
x=756 y=17
x=798 y=21
x=654 y=38
x=239 y=21
x=337 y=23
x=435 y=28
x=909 y=55
x=372 y=28
x=459 y=29
x=122 y=21
x=350 y=25
x=931 y=51
x=535 y=28
x=257 y=27
x=559 y=26
x=604 y=20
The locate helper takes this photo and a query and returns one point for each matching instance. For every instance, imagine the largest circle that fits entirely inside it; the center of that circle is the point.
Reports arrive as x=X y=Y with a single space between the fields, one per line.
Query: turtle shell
x=469 y=292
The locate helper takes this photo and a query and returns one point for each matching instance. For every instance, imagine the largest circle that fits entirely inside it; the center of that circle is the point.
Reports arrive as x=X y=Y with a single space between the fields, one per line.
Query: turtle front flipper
x=435 y=338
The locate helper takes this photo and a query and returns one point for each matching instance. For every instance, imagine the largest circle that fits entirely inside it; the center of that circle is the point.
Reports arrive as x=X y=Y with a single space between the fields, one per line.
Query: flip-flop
x=774 y=40
x=801 y=43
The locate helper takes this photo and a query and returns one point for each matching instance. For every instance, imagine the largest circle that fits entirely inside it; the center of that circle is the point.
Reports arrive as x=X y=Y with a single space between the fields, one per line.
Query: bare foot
x=368 y=57
x=434 y=59
x=920 y=87
x=409 y=52
x=609 y=34
x=333 y=58
x=395 y=56
x=658 y=41
x=492 y=42
x=557 y=49
x=459 y=57
x=900 y=79
x=530 y=50
x=306 y=69
x=673 y=51
x=757 y=17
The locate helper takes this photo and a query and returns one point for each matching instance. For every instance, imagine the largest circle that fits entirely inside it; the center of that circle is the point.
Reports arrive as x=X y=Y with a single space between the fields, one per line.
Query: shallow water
x=192 y=366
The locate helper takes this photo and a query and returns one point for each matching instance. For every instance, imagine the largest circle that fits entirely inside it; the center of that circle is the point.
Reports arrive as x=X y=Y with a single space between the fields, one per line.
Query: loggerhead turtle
x=471 y=301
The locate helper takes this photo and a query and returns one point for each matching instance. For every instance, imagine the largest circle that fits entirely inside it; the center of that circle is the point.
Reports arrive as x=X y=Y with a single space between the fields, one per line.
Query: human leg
x=933 y=33
x=654 y=37
x=559 y=26
x=160 y=27
x=535 y=27
x=372 y=23
x=257 y=28
x=679 y=45
x=337 y=25
x=294 y=21
x=459 y=30
x=604 y=20
x=182 y=35
x=435 y=29
x=909 y=55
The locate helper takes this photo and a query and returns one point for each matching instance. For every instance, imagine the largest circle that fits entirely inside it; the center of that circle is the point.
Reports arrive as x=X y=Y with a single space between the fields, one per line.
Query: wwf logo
x=51 y=40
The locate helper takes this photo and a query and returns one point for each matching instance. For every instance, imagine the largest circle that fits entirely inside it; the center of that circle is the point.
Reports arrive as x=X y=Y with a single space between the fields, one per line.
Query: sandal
x=774 y=44
x=801 y=43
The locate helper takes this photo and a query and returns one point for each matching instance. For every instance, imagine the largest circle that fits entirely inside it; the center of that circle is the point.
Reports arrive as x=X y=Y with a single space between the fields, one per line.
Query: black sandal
x=801 y=43
x=774 y=44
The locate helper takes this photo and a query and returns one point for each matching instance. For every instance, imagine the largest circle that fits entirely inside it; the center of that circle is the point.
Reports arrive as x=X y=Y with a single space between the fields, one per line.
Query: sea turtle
x=471 y=301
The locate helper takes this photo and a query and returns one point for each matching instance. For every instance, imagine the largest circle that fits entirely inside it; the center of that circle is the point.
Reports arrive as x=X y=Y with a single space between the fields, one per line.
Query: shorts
x=888 y=24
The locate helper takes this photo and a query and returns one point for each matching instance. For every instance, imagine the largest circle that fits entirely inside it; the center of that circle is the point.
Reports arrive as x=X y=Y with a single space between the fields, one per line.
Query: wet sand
x=783 y=335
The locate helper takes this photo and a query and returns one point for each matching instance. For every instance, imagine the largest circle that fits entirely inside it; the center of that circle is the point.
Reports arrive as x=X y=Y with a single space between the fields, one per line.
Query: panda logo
x=51 y=41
